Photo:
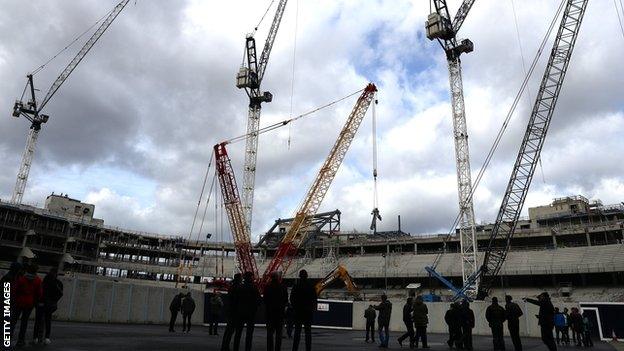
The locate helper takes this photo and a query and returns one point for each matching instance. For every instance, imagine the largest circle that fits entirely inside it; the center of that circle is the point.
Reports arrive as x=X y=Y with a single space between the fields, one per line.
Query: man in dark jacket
x=495 y=315
x=546 y=318
x=453 y=321
x=174 y=308
x=249 y=300
x=290 y=320
x=409 y=323
x=370 y=315
x=275 y=300
x=513 y=314
x=52 y=293
x=421 y=319
x=576 y=324
x=188 y=307
x=385 y=312
x=467 y=324
x=566 y=328
x=216 y=307
x=231 y=316
x=304 y=300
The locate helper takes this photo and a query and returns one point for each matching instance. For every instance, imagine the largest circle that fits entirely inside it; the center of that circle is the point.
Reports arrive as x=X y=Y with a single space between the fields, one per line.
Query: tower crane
x=31 y=110
x=250 y=78
x=316 y=193
x=439 y=27
x=532 y=143
x=529 y=153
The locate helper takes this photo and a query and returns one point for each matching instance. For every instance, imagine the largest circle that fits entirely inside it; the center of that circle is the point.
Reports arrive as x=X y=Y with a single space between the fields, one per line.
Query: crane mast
x=250 y=78
x=532 y=143
x=439 y=27
x=234 y=210
x=31 y=111
x=309 y=206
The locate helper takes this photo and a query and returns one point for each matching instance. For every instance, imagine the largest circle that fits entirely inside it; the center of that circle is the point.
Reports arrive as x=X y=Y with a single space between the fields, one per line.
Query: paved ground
x=116 y=337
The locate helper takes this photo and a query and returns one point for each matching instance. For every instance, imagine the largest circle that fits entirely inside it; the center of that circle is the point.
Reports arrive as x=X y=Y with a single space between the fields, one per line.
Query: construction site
x=571 y=246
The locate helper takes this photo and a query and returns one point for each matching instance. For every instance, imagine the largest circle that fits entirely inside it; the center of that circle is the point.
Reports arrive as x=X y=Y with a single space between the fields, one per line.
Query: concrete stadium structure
x=567 y=245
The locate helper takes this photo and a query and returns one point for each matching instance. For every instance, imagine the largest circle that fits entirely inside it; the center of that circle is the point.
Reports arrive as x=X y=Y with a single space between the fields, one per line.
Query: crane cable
x=375 y=212
x=294 y=60
x=503 y=128
x=38 y=69
x=253 y=32
x=262 y=18
x=617 y=11
x=201 y=195
x=212 y=186
x=287 y=121
x=524 y=70
x=374 y=123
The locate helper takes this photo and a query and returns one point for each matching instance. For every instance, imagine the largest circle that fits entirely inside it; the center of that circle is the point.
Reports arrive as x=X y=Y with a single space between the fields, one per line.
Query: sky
x=132 y=129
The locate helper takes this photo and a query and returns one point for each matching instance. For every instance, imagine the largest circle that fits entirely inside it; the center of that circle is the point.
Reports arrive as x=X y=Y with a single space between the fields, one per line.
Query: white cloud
x=157 y=92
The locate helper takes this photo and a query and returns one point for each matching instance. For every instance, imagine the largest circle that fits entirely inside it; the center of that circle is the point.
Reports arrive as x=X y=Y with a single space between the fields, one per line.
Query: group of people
x=29 y=292
x=460 y=320
x=579 y=324
x=415 y=318
x=549 y=319
x=243 y=299
x=182 y=303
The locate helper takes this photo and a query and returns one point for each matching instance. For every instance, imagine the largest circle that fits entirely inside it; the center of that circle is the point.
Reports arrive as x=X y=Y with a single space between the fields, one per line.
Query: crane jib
x=532 y=143
x=296 y=233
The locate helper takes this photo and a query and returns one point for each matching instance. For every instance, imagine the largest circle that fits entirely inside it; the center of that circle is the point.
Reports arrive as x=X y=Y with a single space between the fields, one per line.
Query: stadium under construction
x=572 y=248
x=570 y=244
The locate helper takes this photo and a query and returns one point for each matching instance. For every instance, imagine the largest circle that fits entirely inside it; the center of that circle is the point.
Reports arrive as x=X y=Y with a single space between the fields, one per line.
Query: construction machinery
x=440 y=27
x=531 y=147
x=339 y=273
x=229 y=189
x=528 y=155
x=31 y=110
x=296 y=233
x=234 y=210
x=250 y=78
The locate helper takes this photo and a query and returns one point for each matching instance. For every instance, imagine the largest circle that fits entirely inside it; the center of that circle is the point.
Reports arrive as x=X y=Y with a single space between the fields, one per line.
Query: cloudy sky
x=132 y=129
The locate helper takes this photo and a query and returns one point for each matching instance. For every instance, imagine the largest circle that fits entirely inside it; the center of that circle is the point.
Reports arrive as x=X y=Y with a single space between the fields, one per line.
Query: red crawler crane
x=308 y=208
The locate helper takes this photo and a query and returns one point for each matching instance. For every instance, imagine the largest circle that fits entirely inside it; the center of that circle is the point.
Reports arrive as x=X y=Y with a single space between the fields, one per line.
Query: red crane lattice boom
x=234 y=210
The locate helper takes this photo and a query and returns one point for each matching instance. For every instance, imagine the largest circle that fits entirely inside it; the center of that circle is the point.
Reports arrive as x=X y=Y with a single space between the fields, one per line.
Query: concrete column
x=93 y=290
x=130 y=301
x=72 y=299
x=362 y=250
x=587 y=237
x=111 y=302
x=554 y=238
x=415 y=249
x=146 y=305
x=162 y=304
